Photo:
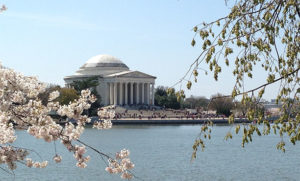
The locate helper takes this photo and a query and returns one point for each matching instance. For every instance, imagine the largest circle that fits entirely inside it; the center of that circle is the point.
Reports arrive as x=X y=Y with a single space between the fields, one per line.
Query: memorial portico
x=123 y=93
x=117 y=84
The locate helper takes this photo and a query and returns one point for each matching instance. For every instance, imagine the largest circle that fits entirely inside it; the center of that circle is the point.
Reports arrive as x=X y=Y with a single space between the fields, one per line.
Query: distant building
x=272 y=104
x=117 y=84
x=272 y=108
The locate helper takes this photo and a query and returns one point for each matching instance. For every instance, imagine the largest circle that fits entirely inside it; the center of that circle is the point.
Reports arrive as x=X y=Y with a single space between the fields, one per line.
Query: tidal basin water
x=164 y=153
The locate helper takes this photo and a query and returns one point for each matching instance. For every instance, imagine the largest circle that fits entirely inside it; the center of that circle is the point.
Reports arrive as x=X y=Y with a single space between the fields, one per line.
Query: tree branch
x=94 y=149
x=264 y=85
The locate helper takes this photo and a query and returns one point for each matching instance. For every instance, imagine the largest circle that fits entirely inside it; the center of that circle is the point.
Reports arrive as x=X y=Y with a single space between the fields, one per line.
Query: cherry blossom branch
x=6 y=171
x=28 y=150
x=94 y=149
x=20 y=105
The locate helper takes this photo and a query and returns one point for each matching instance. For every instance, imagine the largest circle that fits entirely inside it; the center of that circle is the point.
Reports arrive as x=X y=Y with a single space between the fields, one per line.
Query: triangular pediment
x=131 y=74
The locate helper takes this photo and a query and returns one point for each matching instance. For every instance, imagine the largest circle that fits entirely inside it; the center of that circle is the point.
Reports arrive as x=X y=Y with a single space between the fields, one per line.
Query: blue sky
x=52 y=39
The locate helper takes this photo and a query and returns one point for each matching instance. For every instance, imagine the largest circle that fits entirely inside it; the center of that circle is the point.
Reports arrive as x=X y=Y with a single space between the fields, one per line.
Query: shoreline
x=159 y=121
x=170 y=121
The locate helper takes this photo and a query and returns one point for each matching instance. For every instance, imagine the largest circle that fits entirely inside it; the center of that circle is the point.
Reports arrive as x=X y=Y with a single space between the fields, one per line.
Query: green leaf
x=193 y=42
x=195 y=29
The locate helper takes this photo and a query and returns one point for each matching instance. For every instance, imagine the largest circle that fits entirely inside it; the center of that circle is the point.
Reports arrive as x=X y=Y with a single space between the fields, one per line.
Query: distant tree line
x=166 y=98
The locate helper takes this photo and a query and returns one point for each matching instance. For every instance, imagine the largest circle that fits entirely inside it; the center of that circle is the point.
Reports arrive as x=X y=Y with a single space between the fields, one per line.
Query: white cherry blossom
x=20 y=105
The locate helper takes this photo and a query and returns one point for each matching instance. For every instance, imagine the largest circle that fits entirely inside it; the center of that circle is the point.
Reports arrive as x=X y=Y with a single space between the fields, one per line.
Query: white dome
x=104 y=61
x=101 y=65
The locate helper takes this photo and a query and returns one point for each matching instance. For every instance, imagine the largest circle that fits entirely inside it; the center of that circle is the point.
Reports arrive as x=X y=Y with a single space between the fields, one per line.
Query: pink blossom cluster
x=57 y=158
x=53 y=95
x=105 y=124
x=81 y=160
x=72 y=132
x=121 y=164
x=21 y=106
x=106 y=113
x=49 y=132
x=7 y=133
x=10 y=155
x=30 y=163
x=75 y=109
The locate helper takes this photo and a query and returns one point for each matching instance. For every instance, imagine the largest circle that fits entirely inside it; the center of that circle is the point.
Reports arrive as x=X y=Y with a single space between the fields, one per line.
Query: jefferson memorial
x=117 y=84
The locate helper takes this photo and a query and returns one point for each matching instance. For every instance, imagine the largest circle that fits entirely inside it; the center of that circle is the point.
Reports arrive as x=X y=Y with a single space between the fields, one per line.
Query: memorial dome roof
x=104 y=61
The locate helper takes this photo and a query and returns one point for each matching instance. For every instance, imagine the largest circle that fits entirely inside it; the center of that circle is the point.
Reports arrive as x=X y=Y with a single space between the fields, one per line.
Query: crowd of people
x=123 y=113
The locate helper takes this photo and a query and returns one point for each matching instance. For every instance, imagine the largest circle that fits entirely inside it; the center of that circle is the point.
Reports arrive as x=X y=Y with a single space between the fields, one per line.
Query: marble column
x=131 y=92
x=143 y=93
x=147 y=93
x=121 y=93
x=137 y=94
x=115 y=93
x=126 y=93
x=107 y=92
x=111 y=93
x=152 y=103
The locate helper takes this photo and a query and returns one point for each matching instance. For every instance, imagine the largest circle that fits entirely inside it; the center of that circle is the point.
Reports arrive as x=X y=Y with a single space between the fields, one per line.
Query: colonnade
x=129 y=93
